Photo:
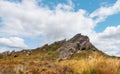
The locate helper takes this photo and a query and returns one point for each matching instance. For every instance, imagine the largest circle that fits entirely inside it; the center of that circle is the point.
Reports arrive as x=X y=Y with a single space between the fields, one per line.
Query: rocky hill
x=64 y=48
x=74 y=56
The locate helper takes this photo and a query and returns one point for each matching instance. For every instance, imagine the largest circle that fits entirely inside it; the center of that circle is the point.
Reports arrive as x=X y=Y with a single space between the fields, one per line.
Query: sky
x=28 y=24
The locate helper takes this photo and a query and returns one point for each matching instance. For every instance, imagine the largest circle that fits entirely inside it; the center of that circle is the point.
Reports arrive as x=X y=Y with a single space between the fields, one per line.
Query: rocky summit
x=75 y=45
x=64 y=48
x=73 y=56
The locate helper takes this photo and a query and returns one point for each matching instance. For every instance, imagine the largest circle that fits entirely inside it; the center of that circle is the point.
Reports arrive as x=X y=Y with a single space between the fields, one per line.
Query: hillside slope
x=74 y=56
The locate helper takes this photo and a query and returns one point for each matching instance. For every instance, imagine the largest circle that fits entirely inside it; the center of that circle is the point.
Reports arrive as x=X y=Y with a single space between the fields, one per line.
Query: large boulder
x=77 y=43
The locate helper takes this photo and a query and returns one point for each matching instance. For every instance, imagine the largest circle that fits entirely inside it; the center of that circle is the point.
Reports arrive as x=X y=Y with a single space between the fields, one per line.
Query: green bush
x=50 y=52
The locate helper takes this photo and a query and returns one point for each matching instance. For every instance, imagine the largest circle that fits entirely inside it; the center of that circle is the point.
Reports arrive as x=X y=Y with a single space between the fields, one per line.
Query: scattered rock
x=28 y=53
x=6 y=53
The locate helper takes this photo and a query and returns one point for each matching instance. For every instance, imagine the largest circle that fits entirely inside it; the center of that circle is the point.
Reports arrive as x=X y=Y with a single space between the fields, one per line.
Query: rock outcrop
x=74 y=45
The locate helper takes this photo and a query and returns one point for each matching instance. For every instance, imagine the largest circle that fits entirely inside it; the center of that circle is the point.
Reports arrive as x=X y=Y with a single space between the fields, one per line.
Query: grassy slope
x=45 y=62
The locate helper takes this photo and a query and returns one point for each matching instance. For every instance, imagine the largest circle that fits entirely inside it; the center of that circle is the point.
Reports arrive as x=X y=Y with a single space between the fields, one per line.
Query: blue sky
x=110 y=21
x=90 y=6
x=27 y=24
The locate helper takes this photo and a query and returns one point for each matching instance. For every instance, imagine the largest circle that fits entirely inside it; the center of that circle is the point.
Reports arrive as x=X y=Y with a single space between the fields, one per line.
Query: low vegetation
x=89 y=63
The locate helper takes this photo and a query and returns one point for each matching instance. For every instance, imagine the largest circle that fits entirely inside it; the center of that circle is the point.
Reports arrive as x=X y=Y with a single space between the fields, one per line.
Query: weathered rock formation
x=77 y=43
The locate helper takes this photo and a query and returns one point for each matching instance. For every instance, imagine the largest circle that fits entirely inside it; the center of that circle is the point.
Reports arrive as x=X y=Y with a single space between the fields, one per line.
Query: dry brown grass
x=96 y=64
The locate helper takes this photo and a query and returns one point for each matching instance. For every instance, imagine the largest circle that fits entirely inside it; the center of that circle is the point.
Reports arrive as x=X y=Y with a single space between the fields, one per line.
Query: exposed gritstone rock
x=77 y=43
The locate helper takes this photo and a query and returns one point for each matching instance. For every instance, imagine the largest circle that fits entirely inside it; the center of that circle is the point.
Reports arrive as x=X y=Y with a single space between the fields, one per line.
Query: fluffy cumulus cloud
x=109 y=40
x=28 y=19
x=111 y=32
x=13 y=42
x=103 y=12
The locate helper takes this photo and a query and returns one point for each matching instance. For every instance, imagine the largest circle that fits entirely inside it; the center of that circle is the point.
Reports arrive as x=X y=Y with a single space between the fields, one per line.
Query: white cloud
x=111 y=32
x=103 y=12
x=109 y=40
x=27 y=19
x=13 y=42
